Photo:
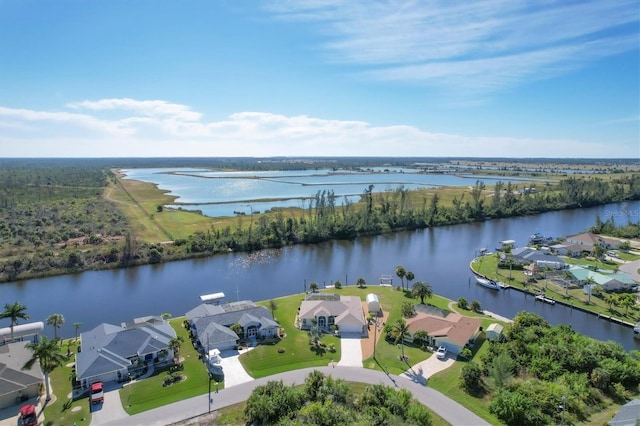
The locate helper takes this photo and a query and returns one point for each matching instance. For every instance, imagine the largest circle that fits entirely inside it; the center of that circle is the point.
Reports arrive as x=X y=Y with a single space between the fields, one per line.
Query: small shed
x=494 y=332
x=373 y=303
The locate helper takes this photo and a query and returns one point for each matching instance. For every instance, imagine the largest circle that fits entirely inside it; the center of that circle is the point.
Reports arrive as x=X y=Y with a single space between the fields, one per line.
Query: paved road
x=445 y=407
x=631 y=268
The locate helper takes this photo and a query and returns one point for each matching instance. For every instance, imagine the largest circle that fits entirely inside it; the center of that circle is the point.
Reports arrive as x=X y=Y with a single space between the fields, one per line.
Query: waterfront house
x=111 y=353
x=527 y=255
x=211 y=323
x=327 y=309
x=589 y=239
x=607 y=281
x=570 y=249
x=16 y=384
x=453 y=331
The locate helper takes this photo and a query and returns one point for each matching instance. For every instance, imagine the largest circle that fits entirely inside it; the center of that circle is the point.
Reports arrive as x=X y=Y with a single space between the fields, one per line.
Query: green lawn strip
x=150 y=393
x=61 y=411
x=448 y=383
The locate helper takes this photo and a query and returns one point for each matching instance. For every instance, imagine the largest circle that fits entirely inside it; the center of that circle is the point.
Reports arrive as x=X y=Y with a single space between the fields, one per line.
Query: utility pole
x=208 y=361
x=375 y=332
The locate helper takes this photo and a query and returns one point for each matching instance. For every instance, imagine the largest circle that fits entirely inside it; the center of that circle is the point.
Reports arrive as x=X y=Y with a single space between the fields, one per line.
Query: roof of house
x=532 y=255
x=214 y=335
x=457 y=328
x=108 y=347
x=495 y=327
x=583 y=274
x=13 y=356
x=627 y=415
x=574 y=248
x=590 y=239
x=351 y=305
x=147 y=321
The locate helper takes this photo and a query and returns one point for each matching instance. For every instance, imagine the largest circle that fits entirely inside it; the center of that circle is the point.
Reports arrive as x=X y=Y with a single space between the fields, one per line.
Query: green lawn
x=149 y=393
x=295 y=350
x=64 y=410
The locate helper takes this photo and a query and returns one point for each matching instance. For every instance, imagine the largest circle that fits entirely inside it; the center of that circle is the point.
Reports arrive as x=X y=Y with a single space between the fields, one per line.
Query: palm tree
x=76 y=326
x=47 y=354
x=410 y=277
x=313 y=286
x=422 y=289
x=598 y=251
x=361 y=282
x=175 y=344
x=401 y=273
x=590 y=282
x=610 y=300
x=421 y=337
x=315 y=334
x=401 y=328
x=475 y=306
x=56 y=321
x=14 y=311
x=273 y=306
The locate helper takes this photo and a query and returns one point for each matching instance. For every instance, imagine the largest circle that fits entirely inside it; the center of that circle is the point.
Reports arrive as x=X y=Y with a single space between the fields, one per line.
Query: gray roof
x=533 y=255
x=109 y=347
x=215 y=335
x=12 y=378
x=204 y=310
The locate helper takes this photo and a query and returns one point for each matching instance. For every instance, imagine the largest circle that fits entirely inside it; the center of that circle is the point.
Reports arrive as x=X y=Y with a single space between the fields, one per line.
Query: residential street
x=445 y=407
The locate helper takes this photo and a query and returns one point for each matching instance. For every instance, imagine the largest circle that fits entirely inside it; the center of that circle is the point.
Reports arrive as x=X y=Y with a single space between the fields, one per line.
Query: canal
x=439 y=256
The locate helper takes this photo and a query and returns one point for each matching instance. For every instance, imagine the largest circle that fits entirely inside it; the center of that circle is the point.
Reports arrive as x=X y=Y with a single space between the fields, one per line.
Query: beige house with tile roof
x=329 y=309
x=453 y=331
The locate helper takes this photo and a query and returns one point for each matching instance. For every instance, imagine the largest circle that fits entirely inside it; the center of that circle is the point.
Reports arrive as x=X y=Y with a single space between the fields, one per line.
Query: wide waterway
x=440 y=256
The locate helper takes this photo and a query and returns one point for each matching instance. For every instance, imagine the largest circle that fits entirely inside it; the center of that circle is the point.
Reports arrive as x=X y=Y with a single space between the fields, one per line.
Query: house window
x=322 y=321
x=332 y=320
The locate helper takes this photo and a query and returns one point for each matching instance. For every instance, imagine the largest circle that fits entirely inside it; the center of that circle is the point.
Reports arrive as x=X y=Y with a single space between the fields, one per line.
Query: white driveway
x=234 y=373
x=351 y=350
x=110 y=410
x=423 y=370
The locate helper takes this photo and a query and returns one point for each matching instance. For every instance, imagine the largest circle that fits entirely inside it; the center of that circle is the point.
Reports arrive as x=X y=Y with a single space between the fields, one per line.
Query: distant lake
x=222 y=193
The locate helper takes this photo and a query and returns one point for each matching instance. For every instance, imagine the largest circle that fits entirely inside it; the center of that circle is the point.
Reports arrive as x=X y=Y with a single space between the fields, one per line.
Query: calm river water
x=440 y=256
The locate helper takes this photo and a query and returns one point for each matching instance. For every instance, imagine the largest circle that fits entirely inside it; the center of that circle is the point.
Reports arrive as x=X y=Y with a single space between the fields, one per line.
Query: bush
x=281 y=350
x=462 y=303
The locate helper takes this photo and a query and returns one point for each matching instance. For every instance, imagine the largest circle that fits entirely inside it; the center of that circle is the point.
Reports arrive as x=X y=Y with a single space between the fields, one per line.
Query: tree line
x=54 y=220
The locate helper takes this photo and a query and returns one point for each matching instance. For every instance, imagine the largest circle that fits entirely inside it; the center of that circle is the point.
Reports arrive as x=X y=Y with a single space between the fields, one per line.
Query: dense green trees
x=551 y=365
x=323 y=400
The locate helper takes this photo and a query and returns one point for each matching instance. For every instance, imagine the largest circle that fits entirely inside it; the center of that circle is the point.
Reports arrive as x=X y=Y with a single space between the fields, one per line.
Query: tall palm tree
x=410 y=276
x=273 y=306
x=313 y=287
x=401 y=273
x=401 y=328
x=361 y=282
x=47 y=353
x=76 y=326
x=421 y=337
x=422 y=289
x=56 y=321
x=175 y=344
x=14 y=311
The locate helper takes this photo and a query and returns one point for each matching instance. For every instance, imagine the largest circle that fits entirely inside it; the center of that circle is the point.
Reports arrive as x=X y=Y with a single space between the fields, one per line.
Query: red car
x=28 y=416
x=97 y=393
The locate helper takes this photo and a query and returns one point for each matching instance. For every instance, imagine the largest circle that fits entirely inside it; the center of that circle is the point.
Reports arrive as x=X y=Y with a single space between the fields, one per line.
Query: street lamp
x=375 y=332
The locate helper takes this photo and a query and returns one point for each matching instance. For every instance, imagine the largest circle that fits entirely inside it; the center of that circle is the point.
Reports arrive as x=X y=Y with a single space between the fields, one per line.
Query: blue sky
x=307 y=77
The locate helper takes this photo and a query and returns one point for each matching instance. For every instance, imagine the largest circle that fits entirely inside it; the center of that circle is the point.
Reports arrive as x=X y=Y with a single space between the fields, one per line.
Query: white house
x=328 y=309
x=373 y=303
x=17 y=384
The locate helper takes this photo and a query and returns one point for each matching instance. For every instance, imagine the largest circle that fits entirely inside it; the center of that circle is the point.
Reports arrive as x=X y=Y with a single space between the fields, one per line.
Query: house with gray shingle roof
x=17 y=384
x=110 y=352
x=211 y=324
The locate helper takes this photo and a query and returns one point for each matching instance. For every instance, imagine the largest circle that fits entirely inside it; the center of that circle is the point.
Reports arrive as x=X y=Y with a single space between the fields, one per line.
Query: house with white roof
x=327 y=309
x=211 y=323
x=110 y=352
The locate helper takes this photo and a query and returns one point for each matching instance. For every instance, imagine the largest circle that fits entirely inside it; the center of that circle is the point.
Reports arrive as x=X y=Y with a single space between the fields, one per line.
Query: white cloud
x=426 y=40
x=31 y=133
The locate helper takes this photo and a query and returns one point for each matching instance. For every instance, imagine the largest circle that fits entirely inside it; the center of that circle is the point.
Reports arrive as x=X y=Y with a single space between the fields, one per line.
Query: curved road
x=445 y=407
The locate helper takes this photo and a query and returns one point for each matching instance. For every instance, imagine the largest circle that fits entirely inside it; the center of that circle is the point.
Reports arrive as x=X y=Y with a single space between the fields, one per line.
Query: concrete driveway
x=111 y=409
x=234 y=373
x=351 y=350
x=420 y=372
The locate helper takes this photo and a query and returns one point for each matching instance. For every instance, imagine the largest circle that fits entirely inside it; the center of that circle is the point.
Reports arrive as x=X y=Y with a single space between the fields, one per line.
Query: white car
x=441 y=353
x=613 y=254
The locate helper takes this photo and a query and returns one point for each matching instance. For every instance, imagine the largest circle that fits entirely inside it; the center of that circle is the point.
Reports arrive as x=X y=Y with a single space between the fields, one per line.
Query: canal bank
x=552 y=301
x=439 y=256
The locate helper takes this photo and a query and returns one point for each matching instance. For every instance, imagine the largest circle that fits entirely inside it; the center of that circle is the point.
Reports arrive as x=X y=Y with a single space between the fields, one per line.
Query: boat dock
x=545 y=299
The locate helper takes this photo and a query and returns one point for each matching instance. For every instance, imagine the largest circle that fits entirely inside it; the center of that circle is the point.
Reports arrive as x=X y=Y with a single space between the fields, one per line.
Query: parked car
x=441 y=353
x=28 y=416
x=613 y=254
x=97 y=392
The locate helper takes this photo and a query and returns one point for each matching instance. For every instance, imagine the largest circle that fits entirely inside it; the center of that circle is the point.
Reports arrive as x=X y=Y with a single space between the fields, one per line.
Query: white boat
x=636 y=329
x=485 y=282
